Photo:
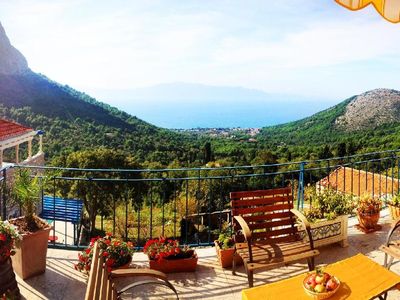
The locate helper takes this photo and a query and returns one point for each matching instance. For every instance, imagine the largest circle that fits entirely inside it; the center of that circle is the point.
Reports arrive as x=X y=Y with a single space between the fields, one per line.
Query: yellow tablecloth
x=361 y=278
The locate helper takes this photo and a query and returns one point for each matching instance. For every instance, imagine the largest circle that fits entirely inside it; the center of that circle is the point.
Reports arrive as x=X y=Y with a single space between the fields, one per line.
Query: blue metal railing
x=192 y=204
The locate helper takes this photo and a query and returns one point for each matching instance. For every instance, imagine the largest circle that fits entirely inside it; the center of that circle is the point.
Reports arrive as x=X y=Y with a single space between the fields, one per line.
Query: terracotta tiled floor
x=210 y=281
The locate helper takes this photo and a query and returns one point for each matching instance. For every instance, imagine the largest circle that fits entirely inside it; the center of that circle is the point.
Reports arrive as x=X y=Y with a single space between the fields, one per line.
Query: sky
x=308 y=48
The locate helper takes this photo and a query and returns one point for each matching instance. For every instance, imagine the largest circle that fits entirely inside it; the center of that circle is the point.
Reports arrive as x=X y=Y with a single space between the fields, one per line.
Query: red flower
x=3 y=237
x=105 y=254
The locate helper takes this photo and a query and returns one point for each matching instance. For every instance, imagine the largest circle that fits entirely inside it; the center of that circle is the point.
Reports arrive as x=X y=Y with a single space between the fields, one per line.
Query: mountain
x=370 y=110
x=73 y=120
x=371 y=119
x=12 y=61
x=189 y=105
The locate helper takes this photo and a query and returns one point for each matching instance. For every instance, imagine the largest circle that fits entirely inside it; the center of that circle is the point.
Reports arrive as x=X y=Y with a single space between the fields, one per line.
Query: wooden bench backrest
x=267 y=212
x=99 y=285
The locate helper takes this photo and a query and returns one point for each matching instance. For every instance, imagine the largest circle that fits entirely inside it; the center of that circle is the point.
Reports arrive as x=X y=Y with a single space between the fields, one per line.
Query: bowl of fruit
x=320 y=285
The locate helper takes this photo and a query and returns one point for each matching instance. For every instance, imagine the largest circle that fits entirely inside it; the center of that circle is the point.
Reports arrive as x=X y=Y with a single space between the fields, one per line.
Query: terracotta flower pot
x=225 y=256
x=30 y=257
x=368 y=220
x=7 y=280
x=394 y=211
x=175 y=265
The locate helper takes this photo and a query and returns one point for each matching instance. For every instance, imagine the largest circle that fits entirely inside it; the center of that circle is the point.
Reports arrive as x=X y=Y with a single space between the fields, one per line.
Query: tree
x=207 y=152
x=98 y=190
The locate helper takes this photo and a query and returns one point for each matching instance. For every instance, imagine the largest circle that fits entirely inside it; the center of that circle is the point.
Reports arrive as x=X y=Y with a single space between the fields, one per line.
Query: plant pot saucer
x=368 y=230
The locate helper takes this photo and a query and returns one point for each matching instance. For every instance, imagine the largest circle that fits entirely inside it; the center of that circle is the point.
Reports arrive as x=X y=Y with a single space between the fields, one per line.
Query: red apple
x=331 y=284
x=326 y=277
x=311 y=281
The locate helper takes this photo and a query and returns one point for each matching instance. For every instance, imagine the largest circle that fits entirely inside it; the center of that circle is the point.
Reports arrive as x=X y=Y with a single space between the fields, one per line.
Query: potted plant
x=328 y=216
x=9 y=237
x=30 y=257
x=224 y=248
x=168 y=256
x=117 y=253
x=394 y=207
x=368 y=212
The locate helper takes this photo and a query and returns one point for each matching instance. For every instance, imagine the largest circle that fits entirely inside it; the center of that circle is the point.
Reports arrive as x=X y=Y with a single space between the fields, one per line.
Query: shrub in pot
x=368 y=211
x=30 y=257
x=168 y=256
x=8 y=240
x=394 y=207
x=224 y=247
x=328 y=215
x=117 y=253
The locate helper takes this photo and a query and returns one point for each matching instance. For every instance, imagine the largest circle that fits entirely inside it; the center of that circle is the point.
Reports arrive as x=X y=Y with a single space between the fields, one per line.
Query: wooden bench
x=102 y=284
x=265 y=231
x=60 y=209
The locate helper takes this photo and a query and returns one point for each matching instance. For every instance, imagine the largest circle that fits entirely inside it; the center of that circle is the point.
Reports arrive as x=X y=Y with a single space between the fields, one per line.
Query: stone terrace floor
x=210 y=281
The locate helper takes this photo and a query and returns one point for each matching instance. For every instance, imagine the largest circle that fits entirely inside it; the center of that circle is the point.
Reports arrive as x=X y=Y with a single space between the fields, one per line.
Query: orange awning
x=389 y=9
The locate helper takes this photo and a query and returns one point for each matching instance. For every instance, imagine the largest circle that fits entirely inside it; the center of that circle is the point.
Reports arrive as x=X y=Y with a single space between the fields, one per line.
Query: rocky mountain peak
x=11 y=60
x=371 y=109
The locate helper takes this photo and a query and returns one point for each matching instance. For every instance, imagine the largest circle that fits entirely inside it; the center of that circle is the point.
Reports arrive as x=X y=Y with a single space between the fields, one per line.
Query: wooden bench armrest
x=245 y=228
x=305 y=223
x=130 y=272
x=395 y=226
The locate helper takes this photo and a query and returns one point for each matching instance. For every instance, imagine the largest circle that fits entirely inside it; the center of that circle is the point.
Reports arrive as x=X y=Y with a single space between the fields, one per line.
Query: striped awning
x=389 y=9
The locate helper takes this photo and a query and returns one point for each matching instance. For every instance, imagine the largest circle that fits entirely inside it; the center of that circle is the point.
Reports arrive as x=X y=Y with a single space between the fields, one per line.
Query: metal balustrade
x=190 y=204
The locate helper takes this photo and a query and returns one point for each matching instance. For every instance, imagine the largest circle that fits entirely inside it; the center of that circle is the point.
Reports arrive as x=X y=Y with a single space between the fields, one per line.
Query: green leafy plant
x=116 y=252
x=395 y=201
x=26 y=192
x=369 y=204
x=225 y=241
x=328 y=204
x=9 y=237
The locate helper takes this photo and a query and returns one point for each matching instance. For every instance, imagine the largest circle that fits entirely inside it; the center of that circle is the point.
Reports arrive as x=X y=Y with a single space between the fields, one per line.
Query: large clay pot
x=30 y=257
x=394 y=211
x=225 y=256
x=175 y=265
x=8 y=284
x=368 y=220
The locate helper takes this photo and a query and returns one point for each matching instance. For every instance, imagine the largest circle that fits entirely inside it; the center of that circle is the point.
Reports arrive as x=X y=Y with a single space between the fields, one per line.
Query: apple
x=319 y=288
x=331 y=284
x=311 y=281
x=319 y=279
x=326 y=277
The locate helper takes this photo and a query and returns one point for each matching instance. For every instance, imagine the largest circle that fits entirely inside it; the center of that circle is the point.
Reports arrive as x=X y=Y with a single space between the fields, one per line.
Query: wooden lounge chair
x=265 y=231
x=392 y=247
x=101 y=284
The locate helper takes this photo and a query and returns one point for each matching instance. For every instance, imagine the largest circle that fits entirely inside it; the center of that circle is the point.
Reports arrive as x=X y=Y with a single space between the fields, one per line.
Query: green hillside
x=74 y=121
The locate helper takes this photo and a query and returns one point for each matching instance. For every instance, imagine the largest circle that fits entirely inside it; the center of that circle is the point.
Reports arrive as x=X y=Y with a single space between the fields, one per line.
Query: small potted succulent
x=224 y=248
x=394 y=207
x=168 y=256
x=117 y=253
x=368 y=212
x=9 y=237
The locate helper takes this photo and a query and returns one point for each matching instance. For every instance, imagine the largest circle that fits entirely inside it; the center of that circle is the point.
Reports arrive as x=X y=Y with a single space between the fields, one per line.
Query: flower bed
x=168 y=256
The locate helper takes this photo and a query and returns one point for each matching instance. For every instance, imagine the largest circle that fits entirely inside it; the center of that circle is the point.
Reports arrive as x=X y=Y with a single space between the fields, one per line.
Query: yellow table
x=361 y=278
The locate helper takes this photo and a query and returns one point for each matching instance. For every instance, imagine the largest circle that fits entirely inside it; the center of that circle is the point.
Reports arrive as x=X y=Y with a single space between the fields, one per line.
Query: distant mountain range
x=74 y=121
x=187 y=105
